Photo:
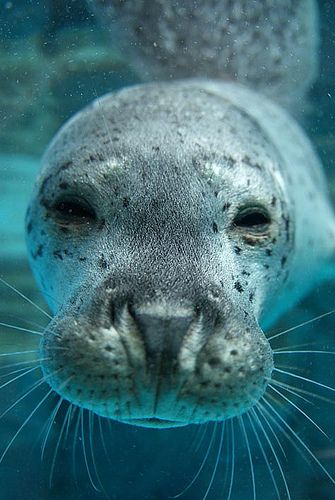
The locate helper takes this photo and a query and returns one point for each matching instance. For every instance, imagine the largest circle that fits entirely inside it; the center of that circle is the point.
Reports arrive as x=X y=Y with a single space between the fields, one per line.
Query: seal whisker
x=25 y=423
x=303 y=391
x=303 y=352
x=305 y=344
x=199 y=437
x=232 y=461
x=291 y=390
x=83 y=442
x=299 y=409
x=202 y=465
x=61 y=432
x=300 y=441
x=218 y=456
x=246 y=440
x=306 y=379
x=69 y=420
x=252 y=419
x=19 y=376
x=17 y=353
x=20 y=328
x=91 y=418
x=270 y=427
x=21 y=363
x=48 y=425
x=27 y=299
x=35 y=385
x=65 y=422
x=20 y=370
x=269 y=441
x=75 y=440
x=102 y=439
x=300 y=325
x=284 y=432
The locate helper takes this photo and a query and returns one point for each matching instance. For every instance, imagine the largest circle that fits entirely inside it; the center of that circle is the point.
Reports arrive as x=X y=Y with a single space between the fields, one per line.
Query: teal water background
x=55 y=59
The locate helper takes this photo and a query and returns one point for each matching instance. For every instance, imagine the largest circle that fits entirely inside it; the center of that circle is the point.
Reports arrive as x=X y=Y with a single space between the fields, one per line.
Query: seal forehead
x=186 y=123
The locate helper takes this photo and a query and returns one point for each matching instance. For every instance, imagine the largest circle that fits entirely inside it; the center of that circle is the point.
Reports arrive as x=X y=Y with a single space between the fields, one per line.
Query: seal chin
x=157 y=423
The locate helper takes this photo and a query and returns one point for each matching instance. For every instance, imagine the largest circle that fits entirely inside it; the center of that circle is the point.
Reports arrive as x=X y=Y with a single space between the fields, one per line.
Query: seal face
x=162 y=229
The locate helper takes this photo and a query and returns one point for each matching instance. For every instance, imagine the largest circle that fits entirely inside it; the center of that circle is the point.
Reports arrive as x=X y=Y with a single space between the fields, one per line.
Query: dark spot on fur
x=237 y=250
x=245 y=273
x=214 y=361
x=63 y=185
x=39 y=251
x=287 y=227
x=125 y=202
x=283 y=260
x=247 y=160
x=65 y=165
x=273 y=201
x=238 y=286
x=45 y=181
x=103 y=262
x=268 y=252
x=215 y=227
x=251 y=297
x=58 y=254
x=226 y=206
x=29 y=227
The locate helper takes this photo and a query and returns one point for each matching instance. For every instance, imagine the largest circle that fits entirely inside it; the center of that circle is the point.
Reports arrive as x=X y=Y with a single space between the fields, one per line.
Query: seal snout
x=158 y=363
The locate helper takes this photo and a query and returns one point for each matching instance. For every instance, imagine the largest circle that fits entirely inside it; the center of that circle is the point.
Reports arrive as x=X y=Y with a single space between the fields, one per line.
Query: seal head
x=160 y=230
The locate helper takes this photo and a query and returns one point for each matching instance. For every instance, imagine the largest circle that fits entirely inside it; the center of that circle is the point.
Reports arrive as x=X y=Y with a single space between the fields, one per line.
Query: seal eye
x=73 y=211
x=254 y=220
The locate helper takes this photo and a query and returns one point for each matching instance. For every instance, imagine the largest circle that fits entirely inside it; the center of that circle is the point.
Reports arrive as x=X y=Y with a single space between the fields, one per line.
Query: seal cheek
x=230 y=374
x=89 y=367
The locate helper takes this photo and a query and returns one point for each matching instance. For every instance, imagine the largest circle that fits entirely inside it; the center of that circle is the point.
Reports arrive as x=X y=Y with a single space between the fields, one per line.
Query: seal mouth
x=158 y=423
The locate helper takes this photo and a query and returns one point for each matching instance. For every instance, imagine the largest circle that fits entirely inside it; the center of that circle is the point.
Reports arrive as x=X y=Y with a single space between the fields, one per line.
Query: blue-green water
x=55 y=58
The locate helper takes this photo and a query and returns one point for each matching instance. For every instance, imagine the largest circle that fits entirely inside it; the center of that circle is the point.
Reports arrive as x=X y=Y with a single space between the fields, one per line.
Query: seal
x=170 y=224
x=270 y=46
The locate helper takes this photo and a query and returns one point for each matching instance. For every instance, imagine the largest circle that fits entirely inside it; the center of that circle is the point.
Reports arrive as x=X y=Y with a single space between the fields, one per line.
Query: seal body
x=269 y=45
x=169 y=221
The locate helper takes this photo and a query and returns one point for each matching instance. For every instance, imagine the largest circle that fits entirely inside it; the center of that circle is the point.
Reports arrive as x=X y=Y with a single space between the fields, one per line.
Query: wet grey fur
x=158 y=298
x=269 y=45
